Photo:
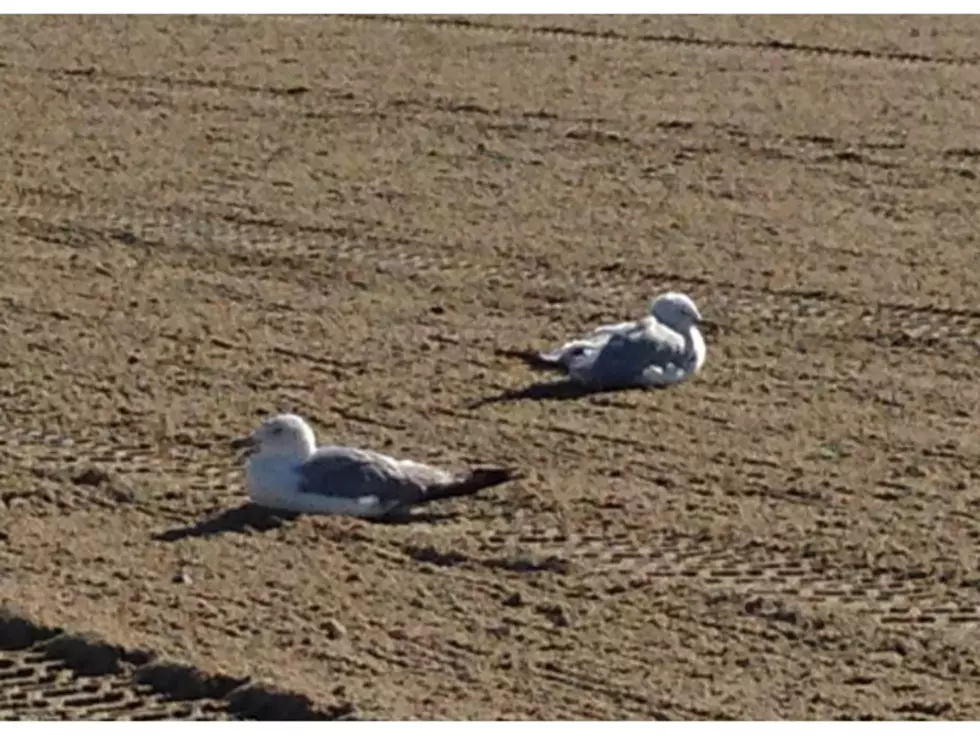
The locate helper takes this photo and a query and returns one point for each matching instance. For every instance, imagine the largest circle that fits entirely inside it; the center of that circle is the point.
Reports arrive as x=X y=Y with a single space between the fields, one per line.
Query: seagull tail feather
x=470 y=483
x=536 y=360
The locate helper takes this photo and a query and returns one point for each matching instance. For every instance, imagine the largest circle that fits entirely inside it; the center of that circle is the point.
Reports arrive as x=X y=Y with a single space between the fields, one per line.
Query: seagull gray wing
x=381 y=484
x=642 y=356
x=349 y=473
x=574 y=353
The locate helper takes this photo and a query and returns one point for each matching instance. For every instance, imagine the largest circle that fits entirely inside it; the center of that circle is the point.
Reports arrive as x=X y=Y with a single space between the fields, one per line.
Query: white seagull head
x=285 y=435
x=676 y=310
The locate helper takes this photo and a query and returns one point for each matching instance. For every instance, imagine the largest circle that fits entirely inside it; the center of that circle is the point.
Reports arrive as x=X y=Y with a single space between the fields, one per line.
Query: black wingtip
x=486 y=477
x=532 y=359
x=474 y=481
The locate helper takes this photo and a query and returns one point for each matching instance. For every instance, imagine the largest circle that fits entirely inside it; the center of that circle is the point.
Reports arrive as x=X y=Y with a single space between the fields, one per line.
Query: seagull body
x=289 y=472
x=660 y=349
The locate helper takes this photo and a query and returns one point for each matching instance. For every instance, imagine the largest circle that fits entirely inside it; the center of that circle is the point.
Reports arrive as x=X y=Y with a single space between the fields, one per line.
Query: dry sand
x=205 y=220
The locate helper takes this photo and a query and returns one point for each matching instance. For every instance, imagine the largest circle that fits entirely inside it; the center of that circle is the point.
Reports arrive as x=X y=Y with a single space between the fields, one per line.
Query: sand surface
x=206 y=220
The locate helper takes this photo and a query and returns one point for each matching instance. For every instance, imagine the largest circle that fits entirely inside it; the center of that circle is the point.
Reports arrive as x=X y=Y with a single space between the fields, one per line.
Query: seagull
x=663 y=348
x=285 y=470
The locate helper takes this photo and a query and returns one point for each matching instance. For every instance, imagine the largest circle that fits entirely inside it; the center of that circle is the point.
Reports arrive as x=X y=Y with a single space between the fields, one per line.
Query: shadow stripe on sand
x=49 y=673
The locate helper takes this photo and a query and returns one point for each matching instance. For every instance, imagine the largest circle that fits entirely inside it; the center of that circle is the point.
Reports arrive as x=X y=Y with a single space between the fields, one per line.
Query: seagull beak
x=245 y=444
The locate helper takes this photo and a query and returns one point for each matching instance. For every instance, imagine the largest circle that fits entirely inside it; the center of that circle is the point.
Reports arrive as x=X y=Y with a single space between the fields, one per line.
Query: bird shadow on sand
x=418 y=516
x=555 y=390
x=241 y=519
x=251 y=517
